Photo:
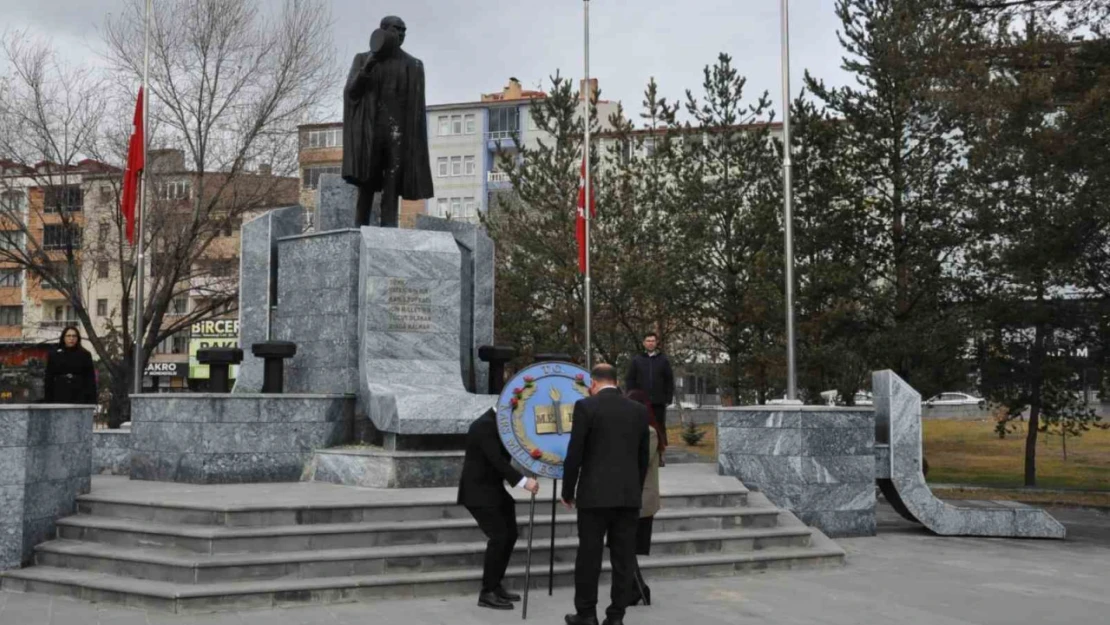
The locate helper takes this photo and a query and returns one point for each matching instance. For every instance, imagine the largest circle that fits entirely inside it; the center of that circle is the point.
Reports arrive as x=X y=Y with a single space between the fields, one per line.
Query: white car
x=955 y=399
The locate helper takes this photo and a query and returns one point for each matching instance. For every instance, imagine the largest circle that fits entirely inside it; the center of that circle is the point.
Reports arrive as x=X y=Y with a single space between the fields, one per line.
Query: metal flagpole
x=788 y=208
x=587 y=95
x=141 y=260
x=528 y=556
x=551 y=554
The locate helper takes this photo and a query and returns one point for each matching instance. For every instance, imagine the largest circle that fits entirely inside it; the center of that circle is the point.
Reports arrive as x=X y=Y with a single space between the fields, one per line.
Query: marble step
x=173 y=597
x=188 y=568
x=327 y=504
x=215 y=539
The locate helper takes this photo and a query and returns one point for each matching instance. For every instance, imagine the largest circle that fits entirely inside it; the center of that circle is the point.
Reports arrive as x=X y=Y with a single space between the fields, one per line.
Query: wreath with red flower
x=519 y=400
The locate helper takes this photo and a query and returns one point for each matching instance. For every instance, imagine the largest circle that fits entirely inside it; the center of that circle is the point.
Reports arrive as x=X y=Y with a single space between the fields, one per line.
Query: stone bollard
x=274 y=354
x=219 y=361
x=496 y=356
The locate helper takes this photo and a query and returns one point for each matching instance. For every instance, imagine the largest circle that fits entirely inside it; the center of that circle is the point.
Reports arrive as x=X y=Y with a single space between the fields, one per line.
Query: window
x=456 y=166
x=649 y=146
x=176 y=344
x=469 y=209
x=442 y=165
x=441 y=207
x=103 y=232
x=65 y=314
x=179 y=305
x=469 y=165
x=102 y=269
x=101 y=308
x=10 y=278
x=12 y=200
x=532 y=125
x=61 y=236
x=471 y=123
x=11 y=240
x=312 y=175
x=176 y=190
x=68 y=199
x=456 y=207
x=325 y=138
x=504 y=121
x=444 y=125
x=456 y=124
x=11 y=315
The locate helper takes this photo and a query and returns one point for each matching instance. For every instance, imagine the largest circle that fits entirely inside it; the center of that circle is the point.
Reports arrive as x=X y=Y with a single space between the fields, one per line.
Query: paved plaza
x=904 y=576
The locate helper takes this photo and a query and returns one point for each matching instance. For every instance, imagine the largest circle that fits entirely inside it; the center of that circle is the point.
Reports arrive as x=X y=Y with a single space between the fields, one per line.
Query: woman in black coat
x=70 y=373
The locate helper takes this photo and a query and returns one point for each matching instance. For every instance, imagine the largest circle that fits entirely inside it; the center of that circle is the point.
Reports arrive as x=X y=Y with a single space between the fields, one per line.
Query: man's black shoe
x=492 y=601
x=613 y=621
x=576 y=619
x=506 y=595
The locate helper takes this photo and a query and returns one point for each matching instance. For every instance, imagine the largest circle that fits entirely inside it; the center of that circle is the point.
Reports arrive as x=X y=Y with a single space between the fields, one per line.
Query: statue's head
x=395 y=25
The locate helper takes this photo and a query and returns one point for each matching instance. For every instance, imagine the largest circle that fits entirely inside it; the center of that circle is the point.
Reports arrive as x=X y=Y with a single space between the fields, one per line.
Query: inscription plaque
x=410 y=308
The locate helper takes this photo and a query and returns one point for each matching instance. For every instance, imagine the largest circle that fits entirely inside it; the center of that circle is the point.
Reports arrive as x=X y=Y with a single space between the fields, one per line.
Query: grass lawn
x=969 y=452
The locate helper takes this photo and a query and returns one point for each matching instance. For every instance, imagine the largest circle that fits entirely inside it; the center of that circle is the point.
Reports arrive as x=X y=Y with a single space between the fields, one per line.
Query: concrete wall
x=816 y=461
x=243 y=438
x=45 y=463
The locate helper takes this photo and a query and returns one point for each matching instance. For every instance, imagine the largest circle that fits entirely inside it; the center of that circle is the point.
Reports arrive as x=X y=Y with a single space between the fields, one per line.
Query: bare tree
x=230 y=81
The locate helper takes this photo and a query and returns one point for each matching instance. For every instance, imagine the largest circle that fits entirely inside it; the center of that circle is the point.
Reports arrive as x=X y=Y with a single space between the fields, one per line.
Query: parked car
x=956 y=399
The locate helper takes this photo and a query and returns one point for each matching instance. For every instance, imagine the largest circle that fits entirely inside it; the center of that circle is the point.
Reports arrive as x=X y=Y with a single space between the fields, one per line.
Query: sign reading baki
x=535 y=414
x=211 y=333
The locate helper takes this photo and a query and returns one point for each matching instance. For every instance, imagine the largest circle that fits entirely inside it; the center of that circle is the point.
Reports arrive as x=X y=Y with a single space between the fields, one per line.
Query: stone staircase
x=182 y=548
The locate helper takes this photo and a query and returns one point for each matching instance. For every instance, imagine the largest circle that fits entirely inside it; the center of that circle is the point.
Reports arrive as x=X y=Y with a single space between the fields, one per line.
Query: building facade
x=463 y=142
x=78 y=210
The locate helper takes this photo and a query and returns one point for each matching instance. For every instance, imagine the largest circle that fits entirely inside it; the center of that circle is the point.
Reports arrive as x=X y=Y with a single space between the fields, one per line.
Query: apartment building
x=77 y=209
x=463 y=140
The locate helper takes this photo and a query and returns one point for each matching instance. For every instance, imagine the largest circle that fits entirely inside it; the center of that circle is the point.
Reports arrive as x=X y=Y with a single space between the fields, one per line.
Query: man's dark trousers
x=660 y=412
x=593 y=525
x=499 y=526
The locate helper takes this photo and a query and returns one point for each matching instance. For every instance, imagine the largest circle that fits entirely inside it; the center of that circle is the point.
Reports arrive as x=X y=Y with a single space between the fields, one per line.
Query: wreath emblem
x=519 y=401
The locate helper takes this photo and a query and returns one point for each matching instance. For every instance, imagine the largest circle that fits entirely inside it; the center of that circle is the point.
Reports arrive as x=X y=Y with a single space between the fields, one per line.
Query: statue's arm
x=358 y=79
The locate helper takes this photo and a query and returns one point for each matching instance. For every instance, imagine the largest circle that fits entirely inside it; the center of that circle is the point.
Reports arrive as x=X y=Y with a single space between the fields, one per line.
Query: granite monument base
x=111 y=454
x=816 y=461
x=219 y=439
x=45 y=463
x=376 y=467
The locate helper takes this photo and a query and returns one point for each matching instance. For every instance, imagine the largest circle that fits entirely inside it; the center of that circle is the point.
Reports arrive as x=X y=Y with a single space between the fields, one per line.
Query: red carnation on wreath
x=517 y=391
x=581 y=377
x=514 y=401
x=529 y=381
x=536 y=453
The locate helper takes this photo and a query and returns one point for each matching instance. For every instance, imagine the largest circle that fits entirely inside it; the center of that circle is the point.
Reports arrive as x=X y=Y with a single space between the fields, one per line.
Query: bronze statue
x=385 y=127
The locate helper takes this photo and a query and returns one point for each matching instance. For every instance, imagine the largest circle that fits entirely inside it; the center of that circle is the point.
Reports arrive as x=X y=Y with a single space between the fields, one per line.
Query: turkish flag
x=135 y=165
x=580 y=225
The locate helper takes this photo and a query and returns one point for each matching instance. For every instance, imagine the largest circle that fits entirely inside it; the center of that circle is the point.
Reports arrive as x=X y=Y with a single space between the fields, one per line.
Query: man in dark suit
x=603 y=477
x=486 y=468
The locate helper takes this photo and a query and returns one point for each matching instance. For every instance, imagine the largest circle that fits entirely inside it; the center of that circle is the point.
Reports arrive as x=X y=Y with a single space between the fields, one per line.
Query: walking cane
x=551 y=556
x=528 y=556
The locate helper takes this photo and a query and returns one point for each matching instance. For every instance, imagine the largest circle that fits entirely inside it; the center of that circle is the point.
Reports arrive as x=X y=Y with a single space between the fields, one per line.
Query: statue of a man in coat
x=385 y=128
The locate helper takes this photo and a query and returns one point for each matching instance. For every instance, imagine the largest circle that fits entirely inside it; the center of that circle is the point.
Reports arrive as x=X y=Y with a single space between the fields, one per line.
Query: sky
x=471 y=47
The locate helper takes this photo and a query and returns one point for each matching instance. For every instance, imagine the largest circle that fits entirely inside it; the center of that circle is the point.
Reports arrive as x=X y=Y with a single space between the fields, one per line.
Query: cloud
x=473 y=47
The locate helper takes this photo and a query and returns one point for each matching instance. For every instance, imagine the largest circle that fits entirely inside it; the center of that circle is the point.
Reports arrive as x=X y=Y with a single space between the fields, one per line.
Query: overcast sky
x=469 y=47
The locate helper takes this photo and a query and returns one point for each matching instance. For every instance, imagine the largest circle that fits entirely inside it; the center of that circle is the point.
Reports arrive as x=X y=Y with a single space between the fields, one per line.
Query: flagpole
x=788 y=208
x=141 y=260
x=587 y=95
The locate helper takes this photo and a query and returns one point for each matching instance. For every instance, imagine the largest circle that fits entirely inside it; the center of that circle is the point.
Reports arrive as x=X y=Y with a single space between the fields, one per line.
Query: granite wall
x=816 y=461
x=45 y=463
x=258 y=271
x=476 y=311
x=111 y=452
x=335 y=203
x=216 y=439
x=317 y=308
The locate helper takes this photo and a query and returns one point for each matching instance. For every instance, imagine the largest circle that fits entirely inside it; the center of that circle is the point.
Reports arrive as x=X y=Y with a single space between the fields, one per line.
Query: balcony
x=498 y=177
x=502 y=138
